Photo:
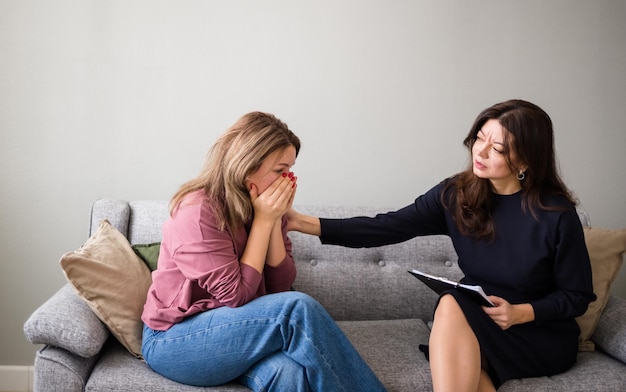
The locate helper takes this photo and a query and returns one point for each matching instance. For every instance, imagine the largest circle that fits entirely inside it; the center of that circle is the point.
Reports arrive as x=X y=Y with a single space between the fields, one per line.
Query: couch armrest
x=610 y=333
x=66 y=321
x=58 y=370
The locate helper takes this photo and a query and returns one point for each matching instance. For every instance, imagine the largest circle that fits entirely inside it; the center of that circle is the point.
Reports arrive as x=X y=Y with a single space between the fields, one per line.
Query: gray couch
x=383 y=310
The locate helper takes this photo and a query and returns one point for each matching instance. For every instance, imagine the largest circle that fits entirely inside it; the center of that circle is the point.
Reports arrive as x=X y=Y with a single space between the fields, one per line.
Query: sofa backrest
x=139 y=221
x=371 y=283
x=352 y=284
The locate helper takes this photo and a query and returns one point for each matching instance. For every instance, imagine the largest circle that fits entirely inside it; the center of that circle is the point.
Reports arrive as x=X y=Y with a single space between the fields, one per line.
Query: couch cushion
x=67 y=322
x=371 y=283
x=391 y=349
x=146 y=221
x=113 y=281
x=593 y=371
x=115 y=211
x=610 y=333
x=117 y=370
x=606 y=249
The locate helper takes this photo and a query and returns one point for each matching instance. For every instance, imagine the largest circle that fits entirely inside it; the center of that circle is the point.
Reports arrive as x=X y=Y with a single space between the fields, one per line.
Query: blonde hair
x=239 y=152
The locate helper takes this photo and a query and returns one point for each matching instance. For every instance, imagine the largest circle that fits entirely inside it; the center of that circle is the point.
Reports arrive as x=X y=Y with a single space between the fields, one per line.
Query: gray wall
x=121 y=99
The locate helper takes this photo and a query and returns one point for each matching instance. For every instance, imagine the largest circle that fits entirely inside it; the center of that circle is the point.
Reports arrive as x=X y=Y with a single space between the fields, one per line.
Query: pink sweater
x=199 y=268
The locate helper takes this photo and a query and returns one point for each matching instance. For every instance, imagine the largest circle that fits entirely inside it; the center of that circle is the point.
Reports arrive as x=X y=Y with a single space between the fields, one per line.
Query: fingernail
x=290 y=174
x=284 y=174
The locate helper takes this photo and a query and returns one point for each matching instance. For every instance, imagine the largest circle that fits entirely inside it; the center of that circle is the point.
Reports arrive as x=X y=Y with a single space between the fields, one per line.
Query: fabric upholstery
x=610 y=334
x=113 y=281
x=117 y=212
x=67 y=322
x=133 y=375
x=593 y=371
x=606 y=249
x=146 y=220
x=393 y=356
x=57 y=370
x=382 y=308
x=371 y=283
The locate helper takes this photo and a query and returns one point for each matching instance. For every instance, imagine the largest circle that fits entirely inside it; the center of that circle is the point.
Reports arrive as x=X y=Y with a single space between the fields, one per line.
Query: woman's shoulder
x=558 y=202
x=446 y=185
x=193 y=218
x=560 y=210
x=438 y=198
x=196 y=197
x=192 y=206
x=446 y=189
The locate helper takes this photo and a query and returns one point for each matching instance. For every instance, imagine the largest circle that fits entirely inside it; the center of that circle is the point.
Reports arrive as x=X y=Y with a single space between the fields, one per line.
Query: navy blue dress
x=542 y=261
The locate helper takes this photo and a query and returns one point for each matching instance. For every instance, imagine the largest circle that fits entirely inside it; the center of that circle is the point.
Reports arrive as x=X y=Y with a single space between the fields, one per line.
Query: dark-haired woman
x=514 y=225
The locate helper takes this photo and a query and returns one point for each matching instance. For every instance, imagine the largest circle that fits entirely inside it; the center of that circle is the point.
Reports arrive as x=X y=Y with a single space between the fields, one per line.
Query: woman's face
x=273 y=166
x=489 y=159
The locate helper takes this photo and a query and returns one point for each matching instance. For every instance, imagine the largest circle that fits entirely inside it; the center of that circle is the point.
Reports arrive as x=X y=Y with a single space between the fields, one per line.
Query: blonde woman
x=221 y=307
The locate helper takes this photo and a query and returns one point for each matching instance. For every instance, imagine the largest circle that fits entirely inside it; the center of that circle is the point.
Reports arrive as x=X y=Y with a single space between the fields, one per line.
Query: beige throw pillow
x=113 y=281
x=606 y=250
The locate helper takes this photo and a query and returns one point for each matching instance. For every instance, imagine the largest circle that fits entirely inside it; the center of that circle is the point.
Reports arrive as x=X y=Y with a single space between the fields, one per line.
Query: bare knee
x=450 y=321
x=448 y=308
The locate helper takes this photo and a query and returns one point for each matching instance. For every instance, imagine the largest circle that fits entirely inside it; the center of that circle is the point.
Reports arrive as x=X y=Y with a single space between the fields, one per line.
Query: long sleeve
x=281 y=277
x=425 y=216
x=199 y=268
x=572 y=274
x=535 y=258
x=538 y=258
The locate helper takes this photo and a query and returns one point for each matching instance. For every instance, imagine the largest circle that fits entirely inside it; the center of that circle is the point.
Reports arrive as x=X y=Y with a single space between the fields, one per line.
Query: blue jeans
x=278 y=342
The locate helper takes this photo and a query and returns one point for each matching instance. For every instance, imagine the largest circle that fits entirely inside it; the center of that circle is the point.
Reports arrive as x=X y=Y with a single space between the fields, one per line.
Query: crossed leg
x=455 y=357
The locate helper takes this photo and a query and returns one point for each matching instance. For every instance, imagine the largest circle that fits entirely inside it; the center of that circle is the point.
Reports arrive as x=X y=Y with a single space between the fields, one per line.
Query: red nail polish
x=284 y=174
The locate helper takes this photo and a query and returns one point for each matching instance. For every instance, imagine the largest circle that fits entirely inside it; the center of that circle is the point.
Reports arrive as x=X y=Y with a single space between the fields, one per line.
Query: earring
x=521 y=175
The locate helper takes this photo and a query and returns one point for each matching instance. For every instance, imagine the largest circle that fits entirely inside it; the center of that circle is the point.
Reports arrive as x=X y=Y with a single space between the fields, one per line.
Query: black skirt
x=523 y=350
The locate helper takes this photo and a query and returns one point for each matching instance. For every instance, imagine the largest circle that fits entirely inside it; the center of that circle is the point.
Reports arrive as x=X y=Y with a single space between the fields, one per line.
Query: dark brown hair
x=528 y=135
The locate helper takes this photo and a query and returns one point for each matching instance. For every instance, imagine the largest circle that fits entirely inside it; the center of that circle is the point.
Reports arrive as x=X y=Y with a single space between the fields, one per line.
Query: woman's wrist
x=525 y=313
x=303 y=223
x=310 y=225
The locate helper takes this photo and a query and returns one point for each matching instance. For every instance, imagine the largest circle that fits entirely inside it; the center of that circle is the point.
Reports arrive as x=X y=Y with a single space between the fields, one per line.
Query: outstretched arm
x=303 y=223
